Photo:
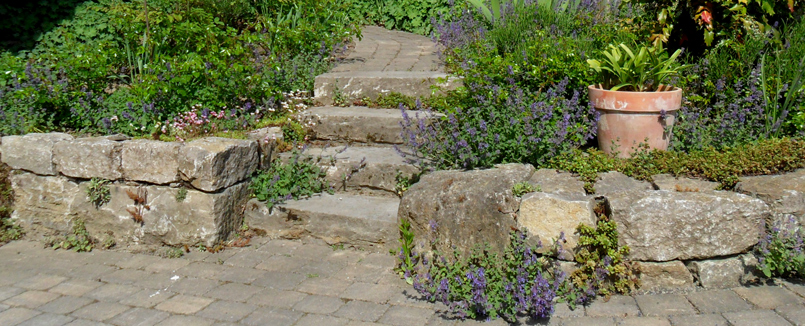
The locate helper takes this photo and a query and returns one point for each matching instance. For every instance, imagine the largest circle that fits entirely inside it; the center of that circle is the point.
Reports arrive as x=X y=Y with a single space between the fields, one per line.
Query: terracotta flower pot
x=631 y=118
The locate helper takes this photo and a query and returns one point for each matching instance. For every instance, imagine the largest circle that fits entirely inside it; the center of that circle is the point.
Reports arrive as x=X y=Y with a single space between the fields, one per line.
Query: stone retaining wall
x=681 y=231
x=193 y=192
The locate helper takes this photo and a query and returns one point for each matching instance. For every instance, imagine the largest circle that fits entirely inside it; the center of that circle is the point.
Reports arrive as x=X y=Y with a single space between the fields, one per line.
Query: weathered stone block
x=683 y=184
x=668 y=275
x=546 y=216
x=470 y=207
x=616 y=182
x=31 y=152
x=87 y=158
x=199 y=218
x=267 y=139
x=150 y=161
x=718 y=273
x=44 y=200
x=210 y=164
x=555 y=182
x=785 y=193
x=371 y=84
x=664 y=226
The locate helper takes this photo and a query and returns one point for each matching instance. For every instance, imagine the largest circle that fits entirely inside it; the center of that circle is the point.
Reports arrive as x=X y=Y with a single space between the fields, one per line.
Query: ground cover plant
x=149 y=68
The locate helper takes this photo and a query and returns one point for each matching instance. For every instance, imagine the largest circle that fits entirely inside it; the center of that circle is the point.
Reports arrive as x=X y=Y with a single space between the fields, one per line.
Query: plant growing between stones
x=79 y=240
x=402 y=182
x=181 y=194
x=140 y=199
x=408 y=258
x=299 y=178
x=521 y=188
x=780 y=250
x=98 y=192
x=170 y=252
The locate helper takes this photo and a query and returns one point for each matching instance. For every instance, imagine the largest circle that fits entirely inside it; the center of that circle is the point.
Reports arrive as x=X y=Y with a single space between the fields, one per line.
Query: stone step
x=370 y=170
x=353 y=85
x=355 y=124
x=363 y=221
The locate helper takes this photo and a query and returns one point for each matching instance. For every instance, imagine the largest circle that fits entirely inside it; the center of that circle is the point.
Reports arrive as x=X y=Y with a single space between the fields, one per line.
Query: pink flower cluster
x=192 y=123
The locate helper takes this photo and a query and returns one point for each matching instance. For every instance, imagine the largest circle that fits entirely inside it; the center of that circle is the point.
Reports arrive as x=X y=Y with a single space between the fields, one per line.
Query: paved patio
x=284 y=282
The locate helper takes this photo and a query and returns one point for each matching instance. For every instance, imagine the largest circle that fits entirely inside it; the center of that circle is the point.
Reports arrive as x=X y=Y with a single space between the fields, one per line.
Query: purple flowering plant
x=780 y=250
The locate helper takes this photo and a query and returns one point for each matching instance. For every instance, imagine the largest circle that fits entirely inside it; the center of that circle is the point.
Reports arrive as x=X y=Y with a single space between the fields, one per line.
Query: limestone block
x=268 y=139
x=150 y=161
x=210 y=164
x=667 y=275
x=552 y=181
x=32 y=152
x=44 y=200
x=546 y=216
x=88 y=158
x=683 y=184
x=616 y=182
x=718 y=273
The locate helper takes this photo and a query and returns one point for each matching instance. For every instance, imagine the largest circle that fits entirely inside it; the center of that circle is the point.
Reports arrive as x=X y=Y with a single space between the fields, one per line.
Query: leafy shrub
x=603 y=268
x=724 y=165
x=298 y=178
x=780 y=249
x=406 y=15
x=486 y=285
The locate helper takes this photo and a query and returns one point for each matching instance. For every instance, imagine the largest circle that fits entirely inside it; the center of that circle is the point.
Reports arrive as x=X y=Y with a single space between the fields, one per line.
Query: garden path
x=288 y=282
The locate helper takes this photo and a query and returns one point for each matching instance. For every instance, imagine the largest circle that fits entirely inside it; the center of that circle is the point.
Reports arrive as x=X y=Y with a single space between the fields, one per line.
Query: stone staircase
x=356 y=144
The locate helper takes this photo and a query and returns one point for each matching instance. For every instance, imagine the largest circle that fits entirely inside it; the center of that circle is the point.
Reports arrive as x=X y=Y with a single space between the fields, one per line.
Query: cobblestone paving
x=283 y=282
x=384 y=50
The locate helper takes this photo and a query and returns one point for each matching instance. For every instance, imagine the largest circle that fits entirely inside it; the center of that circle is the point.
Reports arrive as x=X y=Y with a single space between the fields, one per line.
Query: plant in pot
x=636 y=107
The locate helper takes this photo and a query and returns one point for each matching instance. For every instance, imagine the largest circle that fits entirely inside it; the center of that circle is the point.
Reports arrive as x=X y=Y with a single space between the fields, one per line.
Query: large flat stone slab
x=339 y=218
x=150 y=161
x=664 y=226
x=210 y=164
x=785 y=193
x=547 y=216
x=87 y=158
x=358 y=124
x=44 y=200
x=371 y=84
x=31 y=152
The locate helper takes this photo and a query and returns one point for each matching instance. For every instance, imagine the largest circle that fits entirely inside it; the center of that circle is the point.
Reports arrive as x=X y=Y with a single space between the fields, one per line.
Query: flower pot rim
x=595 y=87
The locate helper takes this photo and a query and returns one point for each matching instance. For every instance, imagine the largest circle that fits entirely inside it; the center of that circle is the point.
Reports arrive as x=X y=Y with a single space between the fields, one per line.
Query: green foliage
x=79 y=240
x=300 y=177
x=408 y=258
x=725 y=166
x=406 y=15
x=402 y=182
x=643 y=69
x=521 y=188
x=23 y=22
x=8 y=230
x=181 y=194
x=98 y=192
x=597 y=250
x=780 y=250
x=170 y=252
x=494 y=12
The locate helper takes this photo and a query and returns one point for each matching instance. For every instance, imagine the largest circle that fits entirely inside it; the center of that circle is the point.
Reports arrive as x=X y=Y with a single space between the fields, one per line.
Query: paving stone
x=562 y=310
x=280 y=263
x=65 y=305
x=184 y=304
x=233 y=292
x=31 y=299
x=147 y=298
x=279 y=280
x=317 y=320
x=100 y=311
x=139 y=262
x=167 y=265
x=439 y=320
x=113 y=292
x=276 y=298
x=9 y=291
x=768 y=297
x=589 y=321
x=272 y=317
x=125 y=276
x=280 y=247
x=644 y=321
x=41 y=282
x=323 y=286
x=321 y=268
x=363 y=311
x=240 y=275
x=248 y=259
x=794 y=313
x=85 y=322
x=797 y=288
x=201 y=270
x=226 y=311
x=186 y=321
x=319 y=304
x=699 y=320
x=755 y=318
x=409 y=297
x=90 y=272
x=405 y=316
x=14 y=316
x=139 y=317
x=617 y=306
x=47 y=320
x=664 y=305
x=75 y=287
x=3 y=307
x=369 y=292
x=193 y=286
x=379 y=260
x=718 y=301
x=158 y=281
